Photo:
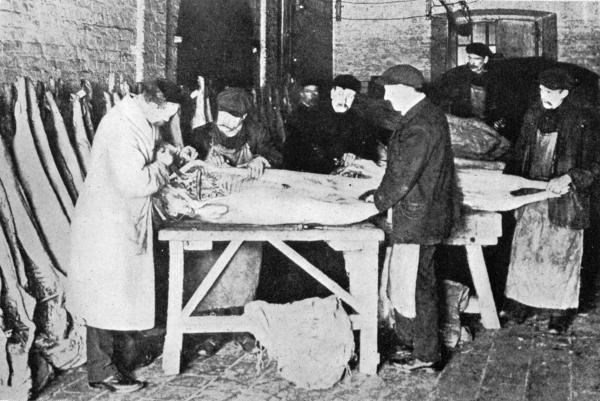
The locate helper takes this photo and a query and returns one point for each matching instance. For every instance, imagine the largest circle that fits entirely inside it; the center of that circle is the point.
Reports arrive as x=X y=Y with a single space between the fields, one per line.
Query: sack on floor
x=311 y=340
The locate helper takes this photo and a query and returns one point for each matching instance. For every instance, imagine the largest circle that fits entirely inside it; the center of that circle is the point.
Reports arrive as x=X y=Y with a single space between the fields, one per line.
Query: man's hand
x=559 y=185
x=348 y=159
x=187 y=154
x=216 y=159
x=257 y=166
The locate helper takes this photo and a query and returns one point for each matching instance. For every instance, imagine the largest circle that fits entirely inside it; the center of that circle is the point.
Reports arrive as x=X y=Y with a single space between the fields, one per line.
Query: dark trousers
x=108 y=351
x=422 y=332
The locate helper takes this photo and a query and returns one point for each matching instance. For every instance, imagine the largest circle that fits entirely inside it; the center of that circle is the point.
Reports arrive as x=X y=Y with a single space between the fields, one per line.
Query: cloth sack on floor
x=311 y=340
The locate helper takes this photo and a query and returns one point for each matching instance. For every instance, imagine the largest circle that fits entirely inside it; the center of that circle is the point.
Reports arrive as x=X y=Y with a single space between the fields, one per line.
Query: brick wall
x=78 y=39
x=367 y=47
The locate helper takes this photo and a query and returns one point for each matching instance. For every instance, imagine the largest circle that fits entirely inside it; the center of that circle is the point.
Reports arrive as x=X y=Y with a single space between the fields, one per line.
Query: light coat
x=111 y=274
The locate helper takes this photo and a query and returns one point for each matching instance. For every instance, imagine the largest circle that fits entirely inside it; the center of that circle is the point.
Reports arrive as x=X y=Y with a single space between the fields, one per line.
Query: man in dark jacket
x=419 y=185
x=470 y=90
x=236 y=138
x=332 y=134
x=558 y=144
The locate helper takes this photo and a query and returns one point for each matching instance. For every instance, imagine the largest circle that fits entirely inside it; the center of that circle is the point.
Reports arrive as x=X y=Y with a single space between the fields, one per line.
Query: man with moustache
x=236 y=139
x=333 y=135
x=469 y=90
x=558 y=144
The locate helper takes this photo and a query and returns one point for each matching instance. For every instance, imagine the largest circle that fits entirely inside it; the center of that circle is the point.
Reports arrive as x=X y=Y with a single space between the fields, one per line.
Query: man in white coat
x=111 y=275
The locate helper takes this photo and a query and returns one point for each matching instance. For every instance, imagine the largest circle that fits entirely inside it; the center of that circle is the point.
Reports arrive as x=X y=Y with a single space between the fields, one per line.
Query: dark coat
x=576 y=154
x=252 y=132
x=318 y=138
x=419 y=183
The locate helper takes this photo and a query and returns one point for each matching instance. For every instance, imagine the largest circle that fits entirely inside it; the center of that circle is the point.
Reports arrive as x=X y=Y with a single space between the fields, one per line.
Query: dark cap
x=235 y=101
x=479 y=49
x=159 y=89
x=347 y=82
x=556 y=78
x=403 y=74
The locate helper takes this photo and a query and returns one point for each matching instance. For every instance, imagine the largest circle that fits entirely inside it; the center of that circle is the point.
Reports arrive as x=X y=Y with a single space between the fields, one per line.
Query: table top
x=191 y=230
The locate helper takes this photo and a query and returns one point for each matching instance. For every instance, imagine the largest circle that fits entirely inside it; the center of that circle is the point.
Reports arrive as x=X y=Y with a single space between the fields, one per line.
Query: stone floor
x=517 y=363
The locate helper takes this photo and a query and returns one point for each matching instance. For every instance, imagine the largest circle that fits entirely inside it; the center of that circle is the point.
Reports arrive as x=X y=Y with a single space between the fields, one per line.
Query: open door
x=312 y=40
x=218 y=41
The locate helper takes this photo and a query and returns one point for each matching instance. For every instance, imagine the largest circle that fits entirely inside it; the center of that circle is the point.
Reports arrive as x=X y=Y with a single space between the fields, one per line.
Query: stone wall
x=78 y=39
x=371 y=37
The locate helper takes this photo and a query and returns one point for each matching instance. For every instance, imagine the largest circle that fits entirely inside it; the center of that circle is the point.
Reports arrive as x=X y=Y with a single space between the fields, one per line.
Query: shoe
x=558 y=324
x=400 y=354
x=118 y=383
x=413 y=364
x=210 y=346
x=246 y=341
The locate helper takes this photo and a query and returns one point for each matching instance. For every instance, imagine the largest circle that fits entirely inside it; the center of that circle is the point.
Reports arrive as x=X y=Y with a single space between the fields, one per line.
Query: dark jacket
x=576 y=154
x=319 y=137
x=252 y=132
x=419 y=183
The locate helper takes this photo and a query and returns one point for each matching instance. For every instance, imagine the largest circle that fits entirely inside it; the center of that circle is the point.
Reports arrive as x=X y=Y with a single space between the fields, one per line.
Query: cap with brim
x=235 y=101
x=346 y=81
x=402 y=74
x=556 y=78
x=479 y=49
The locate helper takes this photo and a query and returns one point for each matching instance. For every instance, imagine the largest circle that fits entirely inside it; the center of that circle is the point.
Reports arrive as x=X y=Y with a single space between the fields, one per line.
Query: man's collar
x=410 y=106
x=413 y=110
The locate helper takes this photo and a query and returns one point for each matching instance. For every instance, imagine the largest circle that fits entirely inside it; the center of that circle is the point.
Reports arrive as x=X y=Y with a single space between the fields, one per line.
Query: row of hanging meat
x=45 y=137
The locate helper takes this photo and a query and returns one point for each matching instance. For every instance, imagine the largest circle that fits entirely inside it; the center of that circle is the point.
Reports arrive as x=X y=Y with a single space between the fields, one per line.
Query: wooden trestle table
x=359 y=244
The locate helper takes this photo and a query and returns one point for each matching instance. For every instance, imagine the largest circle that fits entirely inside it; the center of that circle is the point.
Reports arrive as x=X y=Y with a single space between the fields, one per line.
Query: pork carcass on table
x=228 y=195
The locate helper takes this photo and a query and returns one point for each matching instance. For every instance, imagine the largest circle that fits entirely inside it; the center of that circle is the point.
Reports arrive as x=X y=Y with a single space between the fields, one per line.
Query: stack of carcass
x=43 y=161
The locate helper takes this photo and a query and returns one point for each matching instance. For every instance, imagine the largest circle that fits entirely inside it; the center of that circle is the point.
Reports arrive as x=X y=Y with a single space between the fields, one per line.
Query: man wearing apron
x=558 y=144
x=236 y=138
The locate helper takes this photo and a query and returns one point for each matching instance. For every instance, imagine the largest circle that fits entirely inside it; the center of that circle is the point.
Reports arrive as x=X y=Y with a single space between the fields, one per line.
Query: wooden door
x=517 y=38
x=312 y=40
x=219 y=41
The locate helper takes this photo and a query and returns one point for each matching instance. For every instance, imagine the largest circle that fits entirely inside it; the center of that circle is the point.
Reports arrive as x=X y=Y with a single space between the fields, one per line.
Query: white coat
x=111 y=275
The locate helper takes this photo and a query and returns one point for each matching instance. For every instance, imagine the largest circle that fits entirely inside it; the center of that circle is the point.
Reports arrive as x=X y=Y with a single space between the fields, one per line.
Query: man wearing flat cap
x=333 y=135
x=236 y=138
x=469 y=90
x=558 y=144
x=419 y=185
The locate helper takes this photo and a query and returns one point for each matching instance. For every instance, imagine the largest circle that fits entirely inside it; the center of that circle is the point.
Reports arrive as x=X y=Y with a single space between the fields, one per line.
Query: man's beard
x=340 y=108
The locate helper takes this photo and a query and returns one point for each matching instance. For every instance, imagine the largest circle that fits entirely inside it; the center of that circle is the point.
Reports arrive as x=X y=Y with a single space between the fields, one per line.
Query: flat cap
x=347 y=81
x=479 y=49
x=235 y=101
x=403 y=74
x=556 y=78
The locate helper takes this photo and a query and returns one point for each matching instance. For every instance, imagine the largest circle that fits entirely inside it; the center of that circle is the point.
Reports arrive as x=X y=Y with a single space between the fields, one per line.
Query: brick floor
x=517 y=363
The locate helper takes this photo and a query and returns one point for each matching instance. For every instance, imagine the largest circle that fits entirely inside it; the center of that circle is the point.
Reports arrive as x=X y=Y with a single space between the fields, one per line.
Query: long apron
x=545 y=262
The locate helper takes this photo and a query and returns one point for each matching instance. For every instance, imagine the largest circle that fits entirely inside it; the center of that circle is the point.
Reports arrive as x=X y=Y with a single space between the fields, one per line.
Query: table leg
x=481 y=281
x=174 y=334
x=362 y=269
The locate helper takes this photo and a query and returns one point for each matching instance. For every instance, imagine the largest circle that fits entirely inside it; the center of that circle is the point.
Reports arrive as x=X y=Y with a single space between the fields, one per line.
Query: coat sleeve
x=588 y=170
x=407 y=157
x=265 y=146
x=133 y=175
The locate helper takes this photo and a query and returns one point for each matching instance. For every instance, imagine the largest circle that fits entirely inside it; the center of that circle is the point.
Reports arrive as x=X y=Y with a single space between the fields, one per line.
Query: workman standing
x=419 y=185
x=110 y=281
